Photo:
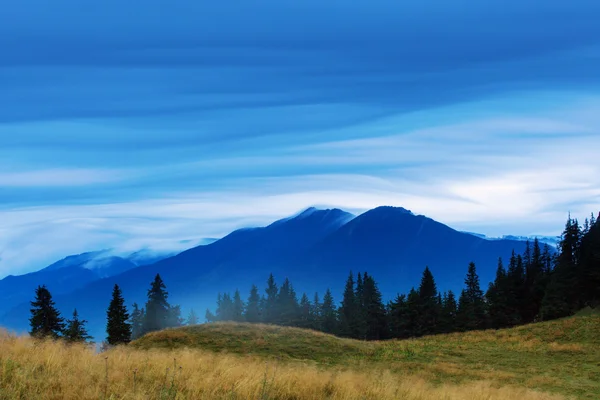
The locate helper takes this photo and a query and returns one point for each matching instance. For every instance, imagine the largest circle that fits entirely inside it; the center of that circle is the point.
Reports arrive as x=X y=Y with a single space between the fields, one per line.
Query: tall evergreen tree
x=471 y=307
x=137 y=320
x=398 y=317
x=118 y=330
x=589 y=271
x=252 y=311
x=75 y=331
x=157 y=306
x=375 y=310
x=316 y=315
x=348 y=311
x=561 y=297
x=304 y=320
x=449 y=311
x=270 y=304
x=328 y=314
x=45 y=318
x=497 y=297
x=238 y=307
x=287 y=304
x=429 y=309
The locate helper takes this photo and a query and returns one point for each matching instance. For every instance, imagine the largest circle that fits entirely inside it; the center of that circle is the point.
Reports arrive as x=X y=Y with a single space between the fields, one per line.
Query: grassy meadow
x=550 y=360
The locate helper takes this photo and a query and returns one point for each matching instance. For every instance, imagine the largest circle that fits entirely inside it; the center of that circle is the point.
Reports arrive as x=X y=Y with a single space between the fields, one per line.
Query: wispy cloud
x=194 y=119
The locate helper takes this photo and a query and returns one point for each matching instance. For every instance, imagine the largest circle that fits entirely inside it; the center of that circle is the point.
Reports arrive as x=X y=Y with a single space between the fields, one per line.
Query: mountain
x=316 y=249
x=550 y=240
x=70 y=273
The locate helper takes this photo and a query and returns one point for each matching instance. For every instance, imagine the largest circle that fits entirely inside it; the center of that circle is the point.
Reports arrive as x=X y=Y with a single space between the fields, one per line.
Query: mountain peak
x=389 y=211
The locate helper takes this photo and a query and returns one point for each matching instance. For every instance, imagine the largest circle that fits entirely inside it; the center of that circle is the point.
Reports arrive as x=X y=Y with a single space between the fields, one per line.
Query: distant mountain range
x=316 y=249
x=551 y=240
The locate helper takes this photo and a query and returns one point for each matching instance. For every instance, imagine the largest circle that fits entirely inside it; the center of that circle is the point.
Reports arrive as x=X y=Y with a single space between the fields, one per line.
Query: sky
x=127 y=125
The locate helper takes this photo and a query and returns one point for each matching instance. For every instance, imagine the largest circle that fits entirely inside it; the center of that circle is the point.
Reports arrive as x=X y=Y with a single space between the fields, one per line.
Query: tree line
x=121 y=327
x=537 y=285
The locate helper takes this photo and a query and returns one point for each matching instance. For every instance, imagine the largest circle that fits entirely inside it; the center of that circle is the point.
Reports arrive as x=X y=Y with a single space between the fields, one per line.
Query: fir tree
x=398 y=318
x=497 y=296
x=75 y=332
x=270 y=304
x=238 y=307
x=192 y=318
x=252 y=312
x=348 y=311
x=328 y=314
x=449 y=311
x=137 y=320
x=117 y=328
x=361 y=310
x=471 y=305
x=305 y=320
x=589 y=271
x=375 y=310
x=157 y=306
x=316 y=315
x=287 y=305
x=45 y=318
x=429 y=309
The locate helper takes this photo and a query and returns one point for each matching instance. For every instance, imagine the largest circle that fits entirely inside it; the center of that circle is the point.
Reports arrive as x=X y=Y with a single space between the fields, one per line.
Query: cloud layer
x=126 y=126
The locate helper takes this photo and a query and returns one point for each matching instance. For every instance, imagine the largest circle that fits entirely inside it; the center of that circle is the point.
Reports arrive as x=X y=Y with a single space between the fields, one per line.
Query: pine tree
x=137 y=320
x=157 y=306
x=429 y=309
x=589 y=275
x=514 y=289
x=398 y=318
x=238 y=307
x=45 y=318
x=252 y=312
x=192 y=318
x=328 y=314
x=287 y=305
x=561 y=297
x=270 y=305
x=75 y=332
x=117 y=328
x=497 y=296
x=361 y=310
x=316 y=315
x=449 y=311
x=348 y=311
x=375 y=310
x=471 y=307
x=225 y=311
x=305 y=320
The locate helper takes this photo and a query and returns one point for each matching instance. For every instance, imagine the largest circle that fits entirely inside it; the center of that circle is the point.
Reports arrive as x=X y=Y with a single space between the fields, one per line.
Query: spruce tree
x=117 y=328
x=429 y=309
x=157 y=306
x=287 y=305
x=316 y=313
x=589 y=271
x=375 y=310
x=328 y=314
x=497 y=297
x=45 y=318
x=252 y=311
x=75 y=332
x=192 y=318
x=361 y=310
x=270 y=304
x=449 y=311
x=413 y=307
x=348 y=311
x=137 y=320
x=305 y=320
x=398 y=318
x=238 y=307
x=472 y=313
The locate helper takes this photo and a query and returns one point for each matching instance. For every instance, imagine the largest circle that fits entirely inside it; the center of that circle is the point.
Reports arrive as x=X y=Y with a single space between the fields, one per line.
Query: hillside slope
x=560 y=356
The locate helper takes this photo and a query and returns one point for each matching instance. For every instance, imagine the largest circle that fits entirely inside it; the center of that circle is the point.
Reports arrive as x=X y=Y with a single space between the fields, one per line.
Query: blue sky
x=128 y=125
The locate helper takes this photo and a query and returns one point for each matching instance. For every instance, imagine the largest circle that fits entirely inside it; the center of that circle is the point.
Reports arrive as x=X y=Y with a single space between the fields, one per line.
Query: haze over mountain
x=71 y=273
x=316 y=249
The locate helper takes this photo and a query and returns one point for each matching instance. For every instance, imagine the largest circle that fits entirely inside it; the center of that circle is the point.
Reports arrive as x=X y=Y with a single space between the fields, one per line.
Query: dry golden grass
x=47 y=370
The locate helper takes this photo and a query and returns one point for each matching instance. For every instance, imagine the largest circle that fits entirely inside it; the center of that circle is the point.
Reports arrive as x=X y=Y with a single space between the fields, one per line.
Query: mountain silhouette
x=316 y=249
